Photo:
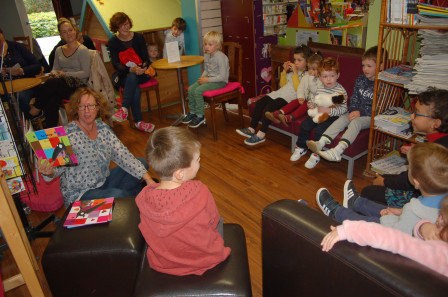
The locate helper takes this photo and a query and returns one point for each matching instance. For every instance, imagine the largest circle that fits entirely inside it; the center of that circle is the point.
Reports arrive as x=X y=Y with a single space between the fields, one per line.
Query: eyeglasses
x=421 y=115
x=127 y=24
x=89 y=106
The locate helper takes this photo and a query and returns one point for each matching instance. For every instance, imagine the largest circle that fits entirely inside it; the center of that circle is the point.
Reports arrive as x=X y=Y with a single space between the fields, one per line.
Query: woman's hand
x=353 y=115
x=45 y=167
x=330 y=239
x=148 y=179
x=137 y=70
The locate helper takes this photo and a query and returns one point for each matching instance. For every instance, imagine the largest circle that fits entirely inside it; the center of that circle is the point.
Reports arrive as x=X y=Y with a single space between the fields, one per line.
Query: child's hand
x=404 y=149
x=301 y=100
x=203 y=80
x=430 y=231
x=378 y=181
x=391 y=211
x=322 y=109
x=293 y=67
x=330 y=239
x=286 y=66
x=310 y=105
x=353 y=115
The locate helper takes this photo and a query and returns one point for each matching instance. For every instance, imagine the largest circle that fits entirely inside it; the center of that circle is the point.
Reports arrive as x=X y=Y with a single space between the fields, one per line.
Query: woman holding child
x=131 y=75
x=95 y=146
x=71 y=70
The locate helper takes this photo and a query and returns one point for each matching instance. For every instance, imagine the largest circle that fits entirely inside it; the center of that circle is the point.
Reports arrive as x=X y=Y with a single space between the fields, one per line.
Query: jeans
x=131 y=94
x=308 y=125
x=364 y=210
x=195 y=99
x=118 y=184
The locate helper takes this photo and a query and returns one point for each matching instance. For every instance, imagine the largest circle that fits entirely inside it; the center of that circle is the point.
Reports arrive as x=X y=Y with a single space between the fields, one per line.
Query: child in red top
x=179 y=218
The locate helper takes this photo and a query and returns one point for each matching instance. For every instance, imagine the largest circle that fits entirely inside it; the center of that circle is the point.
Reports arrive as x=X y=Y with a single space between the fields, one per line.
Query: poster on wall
x=302 y=37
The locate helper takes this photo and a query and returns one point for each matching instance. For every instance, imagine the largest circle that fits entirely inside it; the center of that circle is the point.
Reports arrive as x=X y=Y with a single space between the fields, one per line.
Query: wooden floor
x=243 y=181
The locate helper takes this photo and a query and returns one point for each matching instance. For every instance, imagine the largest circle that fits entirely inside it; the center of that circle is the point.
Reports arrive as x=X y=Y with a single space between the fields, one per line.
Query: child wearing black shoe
x=428 y=172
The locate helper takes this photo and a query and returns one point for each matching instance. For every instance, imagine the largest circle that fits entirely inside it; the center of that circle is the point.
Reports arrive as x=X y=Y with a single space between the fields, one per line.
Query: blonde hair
x=213 y=36
x=444 y=214
x=63 y=21
x=170 y=149
x=75 y=99
x=428 y=164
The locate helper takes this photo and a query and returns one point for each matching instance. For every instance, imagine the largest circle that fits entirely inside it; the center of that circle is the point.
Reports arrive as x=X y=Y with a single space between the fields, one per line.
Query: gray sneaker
x=327 y=203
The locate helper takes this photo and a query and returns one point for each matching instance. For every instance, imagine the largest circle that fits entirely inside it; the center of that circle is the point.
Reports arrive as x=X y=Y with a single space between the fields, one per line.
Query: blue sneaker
x=245 y=132
x=327 y=203
x=188 y=118
x=254 y=140
x=196 y=121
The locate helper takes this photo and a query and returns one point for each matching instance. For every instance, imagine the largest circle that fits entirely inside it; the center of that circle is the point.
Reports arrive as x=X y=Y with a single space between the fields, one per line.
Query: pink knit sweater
x=432 y=253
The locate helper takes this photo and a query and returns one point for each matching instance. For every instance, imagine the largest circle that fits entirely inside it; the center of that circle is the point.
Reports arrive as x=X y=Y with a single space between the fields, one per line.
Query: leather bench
x=110 y=260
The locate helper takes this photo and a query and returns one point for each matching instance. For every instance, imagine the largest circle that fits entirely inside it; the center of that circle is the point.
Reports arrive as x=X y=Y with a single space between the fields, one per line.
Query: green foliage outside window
x=43 y=24
x=36 y=6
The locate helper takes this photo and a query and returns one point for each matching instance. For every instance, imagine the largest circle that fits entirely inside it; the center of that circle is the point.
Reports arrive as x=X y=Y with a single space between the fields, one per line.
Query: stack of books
x=401 y=74
x=394 y=120
x=392 y=163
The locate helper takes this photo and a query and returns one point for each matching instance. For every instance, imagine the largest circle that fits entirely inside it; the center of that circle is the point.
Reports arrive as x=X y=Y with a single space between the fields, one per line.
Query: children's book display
x=52 y=144
x=394 y=120
x=392 y=163
x=10 y=161
x=401 y=74
x=89 y=212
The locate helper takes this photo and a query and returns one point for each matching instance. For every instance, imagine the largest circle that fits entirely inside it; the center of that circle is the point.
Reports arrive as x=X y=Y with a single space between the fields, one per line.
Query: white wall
x=13 y=19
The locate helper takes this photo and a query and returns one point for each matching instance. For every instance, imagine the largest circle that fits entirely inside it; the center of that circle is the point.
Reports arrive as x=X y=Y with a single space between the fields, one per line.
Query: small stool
x=151 y=84
x=100 y=260
x=229 y=278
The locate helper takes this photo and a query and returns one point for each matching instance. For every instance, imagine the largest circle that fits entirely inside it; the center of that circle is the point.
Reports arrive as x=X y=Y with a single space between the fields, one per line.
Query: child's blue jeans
x=363 y=210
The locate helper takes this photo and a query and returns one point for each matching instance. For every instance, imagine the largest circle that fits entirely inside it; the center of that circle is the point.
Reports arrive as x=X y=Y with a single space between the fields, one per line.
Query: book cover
x=392 y=163
x=394 y=119
x=401 y=74
x=52 y=144
x=89 y=212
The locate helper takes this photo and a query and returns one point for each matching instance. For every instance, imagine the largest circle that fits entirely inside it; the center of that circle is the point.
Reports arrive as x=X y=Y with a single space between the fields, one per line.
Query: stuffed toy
x=324 y=100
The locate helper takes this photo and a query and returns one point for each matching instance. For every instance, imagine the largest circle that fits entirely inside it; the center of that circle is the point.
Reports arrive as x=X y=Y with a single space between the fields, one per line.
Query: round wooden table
x=185 y=61
x=19 y=85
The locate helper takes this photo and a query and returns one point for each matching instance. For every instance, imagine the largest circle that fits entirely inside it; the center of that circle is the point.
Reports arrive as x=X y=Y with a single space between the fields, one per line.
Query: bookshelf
x=275 y=16
x=400 y=43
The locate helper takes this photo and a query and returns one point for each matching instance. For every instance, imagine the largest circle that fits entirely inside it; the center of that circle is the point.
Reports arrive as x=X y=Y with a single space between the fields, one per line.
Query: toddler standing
x=178 y=217
x=176 y=33
x=215 y=76
x=289 y=82
x=305 y=93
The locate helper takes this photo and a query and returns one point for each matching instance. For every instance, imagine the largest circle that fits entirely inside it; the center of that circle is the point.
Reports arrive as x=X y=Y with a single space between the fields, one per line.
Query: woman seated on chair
x=129 y=44
x=95 y=146
x=71 y=70
x=19 y=62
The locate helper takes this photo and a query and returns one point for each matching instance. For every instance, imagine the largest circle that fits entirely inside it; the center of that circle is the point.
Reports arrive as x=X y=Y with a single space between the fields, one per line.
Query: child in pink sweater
x=432 y=253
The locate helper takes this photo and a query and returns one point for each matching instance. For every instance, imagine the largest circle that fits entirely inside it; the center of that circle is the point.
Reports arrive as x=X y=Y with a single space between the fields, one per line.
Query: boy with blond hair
x=215 y=76
x=428 y=172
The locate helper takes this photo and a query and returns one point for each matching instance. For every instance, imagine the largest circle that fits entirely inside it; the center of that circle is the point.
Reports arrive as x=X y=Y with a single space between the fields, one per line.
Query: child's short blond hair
x=213 y=36
x=428 y=164
x=170 y=149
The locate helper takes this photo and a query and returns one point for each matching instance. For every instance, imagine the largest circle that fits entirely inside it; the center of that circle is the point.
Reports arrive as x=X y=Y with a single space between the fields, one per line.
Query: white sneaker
x=331 y=155
x=312 y=161
x=314 y=146
x=298 y=153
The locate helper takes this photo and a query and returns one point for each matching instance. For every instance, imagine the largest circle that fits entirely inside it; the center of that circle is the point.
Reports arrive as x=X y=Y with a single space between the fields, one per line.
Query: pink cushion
x=231 y=86
x=149 y=83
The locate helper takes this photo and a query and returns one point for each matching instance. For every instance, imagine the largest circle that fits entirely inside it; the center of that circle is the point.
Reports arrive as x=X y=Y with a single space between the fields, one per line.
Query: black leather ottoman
x=100 y=260
x=230 y=278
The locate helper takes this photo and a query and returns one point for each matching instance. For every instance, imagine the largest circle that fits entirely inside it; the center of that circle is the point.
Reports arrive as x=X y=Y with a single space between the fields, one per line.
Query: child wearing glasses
x=430 y=117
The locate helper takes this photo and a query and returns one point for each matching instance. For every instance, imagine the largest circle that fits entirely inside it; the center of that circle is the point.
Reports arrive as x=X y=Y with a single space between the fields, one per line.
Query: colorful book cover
x=89 y=212
x=52 y=144
x=401 y=74
x=15 y=185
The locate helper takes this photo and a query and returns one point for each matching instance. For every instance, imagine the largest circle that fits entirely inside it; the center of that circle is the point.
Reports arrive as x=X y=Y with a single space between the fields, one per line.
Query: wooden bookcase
x=399 y=43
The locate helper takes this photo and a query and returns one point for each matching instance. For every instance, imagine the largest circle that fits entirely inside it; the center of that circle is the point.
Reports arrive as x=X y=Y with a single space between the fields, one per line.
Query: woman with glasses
x=95 y=146
x=71 y=70
x=131 y=75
